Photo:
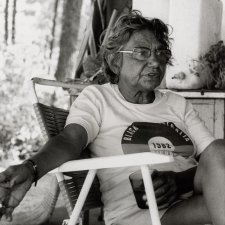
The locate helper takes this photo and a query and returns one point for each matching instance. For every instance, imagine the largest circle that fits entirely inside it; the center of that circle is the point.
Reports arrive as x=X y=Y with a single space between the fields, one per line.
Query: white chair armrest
x=137 y=159
x=93 y=164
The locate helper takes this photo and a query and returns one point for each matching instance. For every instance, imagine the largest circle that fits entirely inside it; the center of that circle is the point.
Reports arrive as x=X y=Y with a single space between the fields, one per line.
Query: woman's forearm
x=64 y=147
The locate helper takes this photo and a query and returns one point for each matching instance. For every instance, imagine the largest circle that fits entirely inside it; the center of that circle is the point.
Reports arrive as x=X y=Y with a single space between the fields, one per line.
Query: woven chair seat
x=52 y=121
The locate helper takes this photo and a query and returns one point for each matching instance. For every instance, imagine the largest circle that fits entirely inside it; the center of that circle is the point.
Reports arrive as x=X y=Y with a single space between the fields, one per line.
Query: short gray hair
x=125 y=26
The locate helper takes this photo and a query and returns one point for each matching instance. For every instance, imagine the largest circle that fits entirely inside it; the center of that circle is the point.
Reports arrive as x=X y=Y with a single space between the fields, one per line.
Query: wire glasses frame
x=142 y=54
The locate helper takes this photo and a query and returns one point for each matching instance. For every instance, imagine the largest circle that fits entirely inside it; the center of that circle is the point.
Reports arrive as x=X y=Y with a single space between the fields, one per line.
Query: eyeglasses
x=142 y=54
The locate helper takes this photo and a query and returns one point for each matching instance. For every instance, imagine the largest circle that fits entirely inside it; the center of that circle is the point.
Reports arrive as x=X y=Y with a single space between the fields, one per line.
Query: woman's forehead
x=143 y=38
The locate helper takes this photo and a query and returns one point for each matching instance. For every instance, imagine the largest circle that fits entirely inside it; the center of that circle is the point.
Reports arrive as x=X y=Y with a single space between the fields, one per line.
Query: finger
x=2 y=207
x=8 y=214
x=19 y=175
x=162 y=190
x=3 y=177
x=8 y=177
x=158 y=183
x=161 y=201
x=159 y=180
x=167 y=197
x=159 y=192
x=5 y=184
x=4 y=193
x=160 y=206
x=164 y=198
x=164 y=206
x=13 y=182
x=13 y=201
x=2 y=210
x=168 y=203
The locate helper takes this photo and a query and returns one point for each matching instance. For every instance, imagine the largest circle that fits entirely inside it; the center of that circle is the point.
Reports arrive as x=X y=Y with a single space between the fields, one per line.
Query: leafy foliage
x=31 y=55
x=19 y=133
x=215 y=58
x=17 y=122
x=210 y=68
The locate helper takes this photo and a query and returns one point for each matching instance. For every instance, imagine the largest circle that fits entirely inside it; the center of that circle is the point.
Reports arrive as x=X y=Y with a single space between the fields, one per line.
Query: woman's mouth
x=152 y=75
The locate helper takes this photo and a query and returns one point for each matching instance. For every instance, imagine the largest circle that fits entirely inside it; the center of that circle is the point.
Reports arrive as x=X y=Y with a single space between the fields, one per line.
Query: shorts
x=136 y=216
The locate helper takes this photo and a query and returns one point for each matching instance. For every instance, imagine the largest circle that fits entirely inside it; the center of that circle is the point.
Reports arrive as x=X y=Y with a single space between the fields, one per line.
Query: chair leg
x=86 y=217
x=82 y=196
x=66 y=222
x=101 y=216
x=153 y=209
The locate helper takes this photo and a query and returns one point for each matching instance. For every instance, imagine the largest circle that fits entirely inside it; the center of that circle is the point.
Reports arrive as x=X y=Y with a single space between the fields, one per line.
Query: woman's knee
x=214 y=155
x=193 y=211
x=212 y=161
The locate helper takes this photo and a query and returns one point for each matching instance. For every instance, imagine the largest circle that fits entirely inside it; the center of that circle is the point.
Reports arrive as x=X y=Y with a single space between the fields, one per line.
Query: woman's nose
x=153 y=60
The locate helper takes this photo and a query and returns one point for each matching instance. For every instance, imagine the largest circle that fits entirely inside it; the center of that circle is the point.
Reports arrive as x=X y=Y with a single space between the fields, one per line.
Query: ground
x=60 y=214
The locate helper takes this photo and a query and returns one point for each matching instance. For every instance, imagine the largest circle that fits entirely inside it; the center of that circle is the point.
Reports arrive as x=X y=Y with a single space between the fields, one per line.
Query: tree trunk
x=6 y=21
x=14 y=22
x=53 y=27
x=68 y=42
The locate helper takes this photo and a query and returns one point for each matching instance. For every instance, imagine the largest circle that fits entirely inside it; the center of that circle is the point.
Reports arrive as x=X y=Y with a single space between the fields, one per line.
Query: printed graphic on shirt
x=164 y=138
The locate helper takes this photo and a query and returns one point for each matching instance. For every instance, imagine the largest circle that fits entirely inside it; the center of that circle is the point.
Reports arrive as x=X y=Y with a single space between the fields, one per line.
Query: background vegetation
x=31 y=35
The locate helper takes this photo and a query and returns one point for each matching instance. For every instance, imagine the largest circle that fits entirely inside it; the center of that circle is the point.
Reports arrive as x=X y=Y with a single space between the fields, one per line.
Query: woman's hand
x=165 y=187
x=14 y=183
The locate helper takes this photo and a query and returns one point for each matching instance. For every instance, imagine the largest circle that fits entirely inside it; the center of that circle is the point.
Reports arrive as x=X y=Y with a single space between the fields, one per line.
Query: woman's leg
x=188 y=212
x=210 y=180
x=208 y=204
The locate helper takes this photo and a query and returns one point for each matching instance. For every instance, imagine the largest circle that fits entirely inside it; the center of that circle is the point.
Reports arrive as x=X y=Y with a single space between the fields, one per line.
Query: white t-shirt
x=116 y=127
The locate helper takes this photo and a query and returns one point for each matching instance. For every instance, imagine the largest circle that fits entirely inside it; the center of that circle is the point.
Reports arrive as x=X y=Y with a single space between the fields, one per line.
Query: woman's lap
x=187 y=212
x=136 y=216
x=192 y=211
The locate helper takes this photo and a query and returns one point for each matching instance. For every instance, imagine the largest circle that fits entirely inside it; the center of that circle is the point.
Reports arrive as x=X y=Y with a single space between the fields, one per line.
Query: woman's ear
x=115 y=61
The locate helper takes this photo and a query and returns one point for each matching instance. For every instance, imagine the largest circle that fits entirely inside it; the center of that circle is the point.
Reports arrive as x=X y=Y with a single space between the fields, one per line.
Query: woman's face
x=141 y=75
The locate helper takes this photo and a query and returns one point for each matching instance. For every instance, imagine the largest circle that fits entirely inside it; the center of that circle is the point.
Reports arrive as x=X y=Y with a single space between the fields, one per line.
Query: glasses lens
x=141 y=53
x=163 y=55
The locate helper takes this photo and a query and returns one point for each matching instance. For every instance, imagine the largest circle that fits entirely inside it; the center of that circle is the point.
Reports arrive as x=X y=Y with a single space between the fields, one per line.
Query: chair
x=81 y=190
x=51 y=121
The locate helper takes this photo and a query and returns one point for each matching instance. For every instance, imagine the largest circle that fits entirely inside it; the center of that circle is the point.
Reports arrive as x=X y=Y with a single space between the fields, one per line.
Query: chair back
x=52 y=121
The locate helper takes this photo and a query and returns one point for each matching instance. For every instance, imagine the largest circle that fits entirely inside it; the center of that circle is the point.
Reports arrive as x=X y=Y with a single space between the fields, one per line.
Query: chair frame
x=144 y=160
x=51 y=121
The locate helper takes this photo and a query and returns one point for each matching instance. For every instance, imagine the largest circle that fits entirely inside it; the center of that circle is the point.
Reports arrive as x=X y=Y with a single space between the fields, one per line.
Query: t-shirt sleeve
x=197 y=130
x=85 y=112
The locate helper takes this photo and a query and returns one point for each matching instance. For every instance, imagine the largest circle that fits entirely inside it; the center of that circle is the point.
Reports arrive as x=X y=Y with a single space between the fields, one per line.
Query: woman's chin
x=150 y=85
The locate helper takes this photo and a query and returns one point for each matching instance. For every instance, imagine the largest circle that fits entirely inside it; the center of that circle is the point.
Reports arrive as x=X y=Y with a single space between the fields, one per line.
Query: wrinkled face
x=138 y=75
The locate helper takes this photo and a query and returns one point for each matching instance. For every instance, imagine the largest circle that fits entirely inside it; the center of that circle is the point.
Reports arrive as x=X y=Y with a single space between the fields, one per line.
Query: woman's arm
x=62 y=148
x=16 y=180
x=168 y=185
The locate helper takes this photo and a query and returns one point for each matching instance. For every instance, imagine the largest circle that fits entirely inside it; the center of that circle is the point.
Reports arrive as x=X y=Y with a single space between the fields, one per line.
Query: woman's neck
x=139 y=97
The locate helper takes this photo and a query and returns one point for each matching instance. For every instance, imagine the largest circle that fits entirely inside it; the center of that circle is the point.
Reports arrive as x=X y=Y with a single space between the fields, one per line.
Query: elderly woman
x=129 y=115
